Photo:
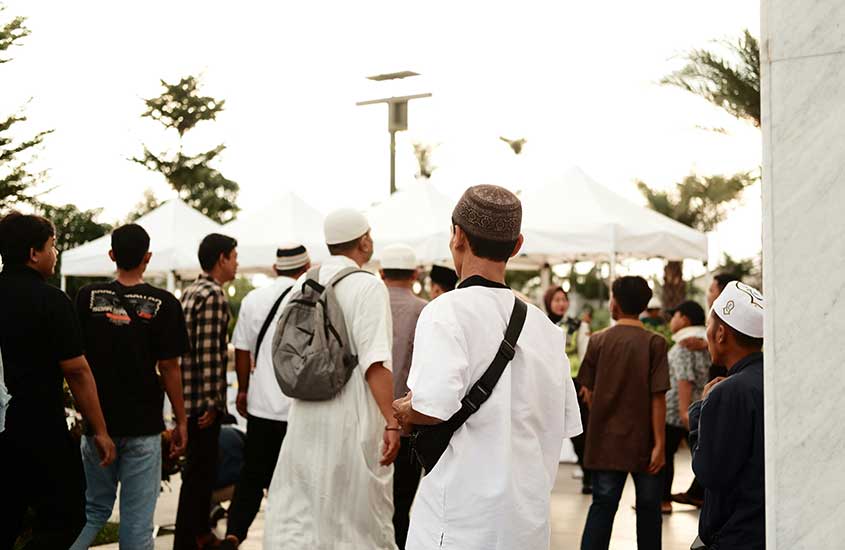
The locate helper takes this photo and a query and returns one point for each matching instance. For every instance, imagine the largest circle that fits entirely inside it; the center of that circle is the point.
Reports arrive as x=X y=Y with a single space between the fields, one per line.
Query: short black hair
x=743 y=340
x=342 y=248
x=211 y=247
x=722 y=280
x=129 y=243
x=632 y=293
x=443 y=277
x=691 y=310
x=399 y=274
x=496 y=251
x=20 y=233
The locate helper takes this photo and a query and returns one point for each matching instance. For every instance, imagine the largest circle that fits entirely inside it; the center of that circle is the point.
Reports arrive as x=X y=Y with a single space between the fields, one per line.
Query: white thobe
x=328 y=490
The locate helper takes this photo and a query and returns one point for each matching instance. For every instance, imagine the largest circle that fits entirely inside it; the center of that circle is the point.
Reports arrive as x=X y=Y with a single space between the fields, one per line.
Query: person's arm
x=408 y=417
x=722 y=441
x=380 y=381
x=171 y=380
x=587 y=371
x=211 y=328
x=658 y=429
x=243 y=367
x=694 y=343
x=81 y=382
x=685 y=400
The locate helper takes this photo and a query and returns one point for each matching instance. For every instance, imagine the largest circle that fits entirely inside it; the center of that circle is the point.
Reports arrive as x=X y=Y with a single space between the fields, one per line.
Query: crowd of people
x=374 y=419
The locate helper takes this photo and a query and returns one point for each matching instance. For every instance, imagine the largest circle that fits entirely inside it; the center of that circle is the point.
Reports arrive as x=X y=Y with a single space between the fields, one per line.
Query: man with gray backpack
x=332 y=350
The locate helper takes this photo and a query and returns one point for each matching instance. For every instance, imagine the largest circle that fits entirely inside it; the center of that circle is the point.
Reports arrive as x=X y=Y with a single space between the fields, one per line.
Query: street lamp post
x=397 y=116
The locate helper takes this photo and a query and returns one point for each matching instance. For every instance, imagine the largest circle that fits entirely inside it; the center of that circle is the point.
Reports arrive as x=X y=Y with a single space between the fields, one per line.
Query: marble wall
x=803 y=95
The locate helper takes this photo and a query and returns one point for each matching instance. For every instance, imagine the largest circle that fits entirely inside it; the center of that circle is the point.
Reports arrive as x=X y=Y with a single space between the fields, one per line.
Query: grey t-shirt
x=405 y=307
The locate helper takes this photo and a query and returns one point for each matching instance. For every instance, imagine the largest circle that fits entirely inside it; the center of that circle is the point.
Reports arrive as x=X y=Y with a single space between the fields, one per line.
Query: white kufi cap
x=344 y=225
x=742 y=308
x=398 y=256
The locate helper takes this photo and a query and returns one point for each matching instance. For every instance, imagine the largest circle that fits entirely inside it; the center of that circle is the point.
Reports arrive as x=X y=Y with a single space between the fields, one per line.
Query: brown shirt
x=623 y=367
x=405 y=308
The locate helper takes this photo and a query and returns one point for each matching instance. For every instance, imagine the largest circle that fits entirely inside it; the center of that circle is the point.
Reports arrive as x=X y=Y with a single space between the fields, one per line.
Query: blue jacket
x=728 y=459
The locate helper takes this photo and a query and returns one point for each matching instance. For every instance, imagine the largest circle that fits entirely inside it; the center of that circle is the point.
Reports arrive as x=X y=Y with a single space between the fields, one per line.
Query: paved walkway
x=569 y=510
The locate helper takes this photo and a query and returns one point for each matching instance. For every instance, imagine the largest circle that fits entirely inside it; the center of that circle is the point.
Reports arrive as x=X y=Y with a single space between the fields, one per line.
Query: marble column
x=802 y=51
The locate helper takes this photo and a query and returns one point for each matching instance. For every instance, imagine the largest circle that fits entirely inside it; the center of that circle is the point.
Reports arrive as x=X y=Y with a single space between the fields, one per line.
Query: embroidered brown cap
x=489 y=212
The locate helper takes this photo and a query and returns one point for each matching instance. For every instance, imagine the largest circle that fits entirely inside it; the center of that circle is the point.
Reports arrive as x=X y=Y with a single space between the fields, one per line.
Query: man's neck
x=474 y=266
x=407 y=284
x=130 y=278
x=359 y=261
x=623 y=316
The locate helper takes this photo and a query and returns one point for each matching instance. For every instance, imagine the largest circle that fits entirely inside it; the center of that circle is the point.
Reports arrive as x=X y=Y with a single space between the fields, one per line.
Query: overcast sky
x=578 y=80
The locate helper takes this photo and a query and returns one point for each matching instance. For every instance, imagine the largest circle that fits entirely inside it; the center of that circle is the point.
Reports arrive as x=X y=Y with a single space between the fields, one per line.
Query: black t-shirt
x=38 y=329
x=123 y=356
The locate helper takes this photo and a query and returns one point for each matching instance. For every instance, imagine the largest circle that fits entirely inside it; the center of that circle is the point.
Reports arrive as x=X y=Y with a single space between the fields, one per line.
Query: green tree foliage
x=742 y=270
x=731 y=83
x=699 y=202
x=73 y=228
x=146 y=205
x=16 y=180
x=180 y=107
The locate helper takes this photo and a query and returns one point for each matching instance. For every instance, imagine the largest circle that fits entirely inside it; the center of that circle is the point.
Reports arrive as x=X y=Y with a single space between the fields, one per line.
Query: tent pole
x=545 y=277
x=171 y=282
x=64 y=283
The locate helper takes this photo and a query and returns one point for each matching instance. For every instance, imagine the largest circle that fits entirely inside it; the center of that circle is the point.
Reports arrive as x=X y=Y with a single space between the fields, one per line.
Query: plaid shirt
x=204 y=366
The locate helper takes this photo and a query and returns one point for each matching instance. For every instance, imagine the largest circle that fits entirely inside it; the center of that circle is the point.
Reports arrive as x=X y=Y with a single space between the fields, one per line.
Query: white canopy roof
x=418 y=216
x=575 y=217
x=175 y=231
x=286 y=219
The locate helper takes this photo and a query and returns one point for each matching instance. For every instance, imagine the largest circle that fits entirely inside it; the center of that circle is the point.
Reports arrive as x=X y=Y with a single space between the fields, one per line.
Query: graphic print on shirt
x=106 y=303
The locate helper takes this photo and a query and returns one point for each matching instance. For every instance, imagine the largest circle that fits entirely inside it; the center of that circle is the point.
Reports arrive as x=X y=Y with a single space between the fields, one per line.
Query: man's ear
x=111 y=255
x=518 y=246
x=459 y=237
x=147 y=257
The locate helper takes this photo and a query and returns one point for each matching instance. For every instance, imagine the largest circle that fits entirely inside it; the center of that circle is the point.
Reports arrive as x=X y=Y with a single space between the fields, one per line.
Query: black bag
x=430 y=442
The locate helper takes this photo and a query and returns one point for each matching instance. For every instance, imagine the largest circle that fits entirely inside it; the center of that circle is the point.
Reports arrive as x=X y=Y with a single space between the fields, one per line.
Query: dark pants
x=674 y=436
x=43 y=472
x=198 y=475
x=406 y=477
x=579 y=442
x=607 y=490
x=263 y=443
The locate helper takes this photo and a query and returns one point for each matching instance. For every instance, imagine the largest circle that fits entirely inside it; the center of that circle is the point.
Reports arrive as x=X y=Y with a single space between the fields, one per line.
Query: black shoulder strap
x=481 y=390
x=269 y=320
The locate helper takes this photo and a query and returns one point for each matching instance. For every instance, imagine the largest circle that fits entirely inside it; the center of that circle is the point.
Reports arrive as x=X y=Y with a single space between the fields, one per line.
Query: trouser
x=198 y=476
x=607 y=490
x=43 y=472
x=261 y=452
x=579 y=442
x=406 y=478
x=137 y=467
x=674 y=436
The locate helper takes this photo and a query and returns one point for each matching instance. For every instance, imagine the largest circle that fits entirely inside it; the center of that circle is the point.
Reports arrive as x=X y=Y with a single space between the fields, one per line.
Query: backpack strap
x=313 y=278
x=481 y=390
x=344 y=273
x=269 y=320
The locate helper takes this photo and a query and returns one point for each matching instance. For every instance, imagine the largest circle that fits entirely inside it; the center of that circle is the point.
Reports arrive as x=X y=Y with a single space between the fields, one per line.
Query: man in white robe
x=491 y=488
x=333 y=485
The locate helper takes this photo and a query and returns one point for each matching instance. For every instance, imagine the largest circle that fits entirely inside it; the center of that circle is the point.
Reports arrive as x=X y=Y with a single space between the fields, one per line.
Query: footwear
x=665 y=507
x=228 y=544
x=684 y=498
x=209 y=540
x=586 y=489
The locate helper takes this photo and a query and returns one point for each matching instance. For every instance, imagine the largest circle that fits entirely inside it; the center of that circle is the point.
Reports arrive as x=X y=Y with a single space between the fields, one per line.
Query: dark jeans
x=198 y=475
x=406 y=477
x=607 y=490
x=43 y=472
x=674 y=436
x=579 y=442
x=263 y=443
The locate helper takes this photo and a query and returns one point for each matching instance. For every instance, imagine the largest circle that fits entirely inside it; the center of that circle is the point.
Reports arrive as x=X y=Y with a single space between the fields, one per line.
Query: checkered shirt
x=204 y=366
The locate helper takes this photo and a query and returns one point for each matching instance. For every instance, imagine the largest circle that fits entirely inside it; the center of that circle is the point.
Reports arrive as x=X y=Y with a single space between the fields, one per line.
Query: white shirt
x=491 y=488
x=264 y=398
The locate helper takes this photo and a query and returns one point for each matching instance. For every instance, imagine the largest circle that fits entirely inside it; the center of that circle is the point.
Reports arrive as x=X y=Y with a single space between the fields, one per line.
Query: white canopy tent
x=285 y=219
x=175 y=231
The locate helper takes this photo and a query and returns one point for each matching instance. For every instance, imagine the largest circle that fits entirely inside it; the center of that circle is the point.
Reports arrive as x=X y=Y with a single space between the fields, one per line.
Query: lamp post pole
x=392 y=161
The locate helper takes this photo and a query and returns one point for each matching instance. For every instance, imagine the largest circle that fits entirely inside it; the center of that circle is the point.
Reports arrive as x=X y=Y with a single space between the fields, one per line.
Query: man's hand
x=710 y=385
x=390 y=448
x=685 y=419
x=179 y=439
x=586 y=396
x=658 y=460
x=694 y=344
x=207 y=419
x=105 y=448
x=402 y=411
x=240 y=403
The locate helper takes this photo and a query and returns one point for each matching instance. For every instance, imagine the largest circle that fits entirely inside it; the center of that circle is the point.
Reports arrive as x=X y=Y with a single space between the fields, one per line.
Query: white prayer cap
x=398 y=256
x=742 y=308
x=290 y=256
x=655 y=303
x=344 y=225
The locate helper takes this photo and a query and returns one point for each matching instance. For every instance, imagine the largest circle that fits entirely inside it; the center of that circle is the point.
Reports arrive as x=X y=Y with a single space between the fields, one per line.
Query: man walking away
x=624 y=378
x=399 y=272
x=42 y=347
x=204 y=385
x=259 y=399
x=129 y=328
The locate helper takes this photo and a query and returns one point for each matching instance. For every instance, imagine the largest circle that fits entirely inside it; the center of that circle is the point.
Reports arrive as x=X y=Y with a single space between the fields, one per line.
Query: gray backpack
x=311 y=355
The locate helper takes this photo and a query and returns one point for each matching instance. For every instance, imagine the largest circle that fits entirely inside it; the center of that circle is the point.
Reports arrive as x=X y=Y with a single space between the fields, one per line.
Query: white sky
x=578 y=80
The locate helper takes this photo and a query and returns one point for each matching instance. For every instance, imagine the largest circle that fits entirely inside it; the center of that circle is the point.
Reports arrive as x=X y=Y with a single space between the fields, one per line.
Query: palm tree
x=700 y=203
